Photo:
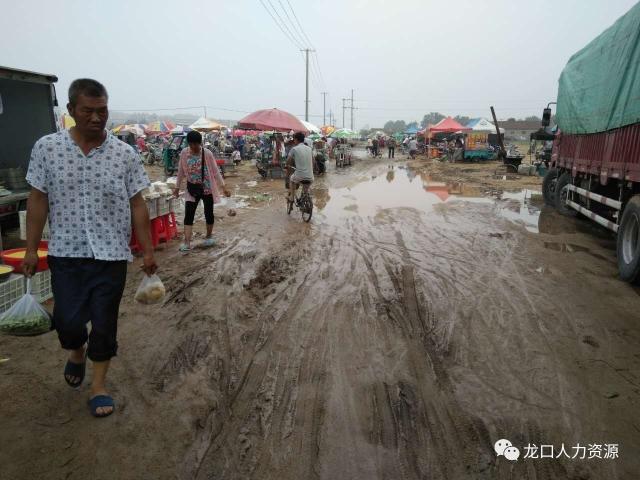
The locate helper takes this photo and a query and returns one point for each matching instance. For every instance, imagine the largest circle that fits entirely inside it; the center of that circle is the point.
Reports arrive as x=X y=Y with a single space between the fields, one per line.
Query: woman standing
x=204 y=181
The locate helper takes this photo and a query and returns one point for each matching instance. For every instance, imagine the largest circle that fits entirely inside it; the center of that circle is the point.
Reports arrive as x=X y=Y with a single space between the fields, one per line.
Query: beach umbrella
x=136 y=128
x=159 y=127
x=272 y=119
x=180 y=129
x=343 y=133
x=205 y=125
x=315 y=136
x=327 y=129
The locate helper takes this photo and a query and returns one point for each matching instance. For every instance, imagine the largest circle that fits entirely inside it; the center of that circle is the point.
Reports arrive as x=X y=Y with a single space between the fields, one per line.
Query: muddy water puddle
x=400 y=187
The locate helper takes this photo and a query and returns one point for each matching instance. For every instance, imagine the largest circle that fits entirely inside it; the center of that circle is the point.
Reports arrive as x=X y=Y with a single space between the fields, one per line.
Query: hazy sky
x=403 y=58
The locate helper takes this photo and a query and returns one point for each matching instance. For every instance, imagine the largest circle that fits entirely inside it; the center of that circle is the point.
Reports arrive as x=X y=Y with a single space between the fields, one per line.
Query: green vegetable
x=33 y=324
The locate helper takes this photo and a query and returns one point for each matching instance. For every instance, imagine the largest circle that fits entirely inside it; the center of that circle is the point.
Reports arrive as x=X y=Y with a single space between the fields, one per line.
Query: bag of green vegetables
x=26 y=317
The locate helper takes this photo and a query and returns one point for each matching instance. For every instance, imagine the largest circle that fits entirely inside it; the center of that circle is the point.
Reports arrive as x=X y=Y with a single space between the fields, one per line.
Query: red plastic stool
x=158 y=231
x=170 y=225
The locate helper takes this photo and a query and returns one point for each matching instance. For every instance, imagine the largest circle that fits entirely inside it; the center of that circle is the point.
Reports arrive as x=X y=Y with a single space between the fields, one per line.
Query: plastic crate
x=23 y=227
x=11 y=291
x=152 y=206
x=164 y=206
x=41 y=286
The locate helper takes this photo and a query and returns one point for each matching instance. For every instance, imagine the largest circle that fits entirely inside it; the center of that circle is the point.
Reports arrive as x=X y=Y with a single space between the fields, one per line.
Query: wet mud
x=413 y=323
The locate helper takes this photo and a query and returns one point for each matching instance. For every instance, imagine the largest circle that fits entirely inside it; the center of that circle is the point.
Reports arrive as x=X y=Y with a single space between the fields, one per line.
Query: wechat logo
x=504 y=447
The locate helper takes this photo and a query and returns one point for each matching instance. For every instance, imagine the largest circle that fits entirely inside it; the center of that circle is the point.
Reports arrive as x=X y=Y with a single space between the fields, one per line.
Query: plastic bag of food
x=25 y=317
x=231 y=207
x=151 y=290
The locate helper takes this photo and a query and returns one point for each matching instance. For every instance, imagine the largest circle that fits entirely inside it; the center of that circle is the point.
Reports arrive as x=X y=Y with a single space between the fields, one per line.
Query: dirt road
x=399 y=335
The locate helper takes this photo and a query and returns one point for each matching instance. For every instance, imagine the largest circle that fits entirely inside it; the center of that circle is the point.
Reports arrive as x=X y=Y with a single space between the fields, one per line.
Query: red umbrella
x=272 y=119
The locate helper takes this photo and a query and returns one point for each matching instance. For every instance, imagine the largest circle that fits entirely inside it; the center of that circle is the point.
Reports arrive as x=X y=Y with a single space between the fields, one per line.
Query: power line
x=278 y=24
x=298 y=22
x=293 y=29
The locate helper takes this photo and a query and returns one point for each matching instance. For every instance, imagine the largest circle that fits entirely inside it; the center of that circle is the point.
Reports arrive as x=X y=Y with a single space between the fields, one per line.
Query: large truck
x=28 y=107
x=595 y=161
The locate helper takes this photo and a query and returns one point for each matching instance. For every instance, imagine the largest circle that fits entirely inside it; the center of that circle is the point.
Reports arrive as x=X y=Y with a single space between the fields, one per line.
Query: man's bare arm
x=141 y=226
x=37 y=212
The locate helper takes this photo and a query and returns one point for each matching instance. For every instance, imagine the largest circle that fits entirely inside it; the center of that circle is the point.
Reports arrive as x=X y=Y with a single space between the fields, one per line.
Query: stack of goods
x=165 y=197
x=151 y=199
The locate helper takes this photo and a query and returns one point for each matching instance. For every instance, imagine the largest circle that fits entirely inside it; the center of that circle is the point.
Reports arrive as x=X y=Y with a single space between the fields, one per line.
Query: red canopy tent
x=448 y=125
x=272 y=119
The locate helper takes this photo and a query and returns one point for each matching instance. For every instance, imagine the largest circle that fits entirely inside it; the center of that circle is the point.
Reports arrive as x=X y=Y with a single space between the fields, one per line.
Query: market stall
x=271 y=160
x=477 y=145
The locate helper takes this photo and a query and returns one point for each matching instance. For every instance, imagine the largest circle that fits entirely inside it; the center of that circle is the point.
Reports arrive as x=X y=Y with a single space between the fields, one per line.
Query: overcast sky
x=403 y=58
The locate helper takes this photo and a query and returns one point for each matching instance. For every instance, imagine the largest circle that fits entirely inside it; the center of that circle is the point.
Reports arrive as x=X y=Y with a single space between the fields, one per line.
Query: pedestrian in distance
x=88 y=183
x=391 y=146
x=204 y=181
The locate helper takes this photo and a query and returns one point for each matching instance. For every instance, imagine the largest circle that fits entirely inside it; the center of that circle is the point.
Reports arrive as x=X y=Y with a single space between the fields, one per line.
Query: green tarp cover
x=599 y=89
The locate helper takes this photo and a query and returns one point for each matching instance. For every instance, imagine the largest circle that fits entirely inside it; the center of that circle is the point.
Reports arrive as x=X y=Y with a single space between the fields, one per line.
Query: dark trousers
x=392 y=152
x=190 y=210
x=87 y=290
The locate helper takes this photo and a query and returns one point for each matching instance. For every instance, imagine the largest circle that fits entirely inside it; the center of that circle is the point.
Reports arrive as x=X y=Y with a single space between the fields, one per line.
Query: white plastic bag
x=231 y=207
x=150 y=291
x=25 y=317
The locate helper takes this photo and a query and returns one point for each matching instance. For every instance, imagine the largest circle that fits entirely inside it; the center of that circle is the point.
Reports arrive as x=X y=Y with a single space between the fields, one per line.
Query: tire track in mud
x=346 y=367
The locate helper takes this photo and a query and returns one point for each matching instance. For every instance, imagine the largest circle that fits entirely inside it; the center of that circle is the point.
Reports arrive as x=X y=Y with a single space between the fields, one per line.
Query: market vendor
x=88 y=183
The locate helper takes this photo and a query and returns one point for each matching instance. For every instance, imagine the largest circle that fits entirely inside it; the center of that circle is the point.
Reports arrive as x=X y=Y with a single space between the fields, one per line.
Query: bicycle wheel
x=306 y=207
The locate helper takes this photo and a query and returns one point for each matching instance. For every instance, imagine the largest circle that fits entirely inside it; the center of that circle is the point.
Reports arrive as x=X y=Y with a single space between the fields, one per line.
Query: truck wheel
x=561 y=193
x=628 y=242
x=549 y=187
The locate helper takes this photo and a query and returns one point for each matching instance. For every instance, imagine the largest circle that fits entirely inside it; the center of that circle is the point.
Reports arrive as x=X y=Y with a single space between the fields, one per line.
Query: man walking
x=391 y=145
x=89 y=185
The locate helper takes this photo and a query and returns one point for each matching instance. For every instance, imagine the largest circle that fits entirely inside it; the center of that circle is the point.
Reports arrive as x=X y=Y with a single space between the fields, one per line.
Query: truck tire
x=628 y=242
x=561 y=193
x=549 y=187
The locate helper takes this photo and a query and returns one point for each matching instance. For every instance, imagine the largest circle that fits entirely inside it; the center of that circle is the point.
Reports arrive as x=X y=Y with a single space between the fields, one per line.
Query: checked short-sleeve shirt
x=89 y=211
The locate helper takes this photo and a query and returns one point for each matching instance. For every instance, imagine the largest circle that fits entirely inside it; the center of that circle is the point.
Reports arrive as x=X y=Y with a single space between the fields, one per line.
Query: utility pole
x=306 y=102
x=352 y=109
x=324 y=108
x=205 y=111
x=343 y=109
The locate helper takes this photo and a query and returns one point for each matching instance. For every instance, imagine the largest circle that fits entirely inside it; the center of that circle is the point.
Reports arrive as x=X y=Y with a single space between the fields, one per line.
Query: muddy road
x=399 y=335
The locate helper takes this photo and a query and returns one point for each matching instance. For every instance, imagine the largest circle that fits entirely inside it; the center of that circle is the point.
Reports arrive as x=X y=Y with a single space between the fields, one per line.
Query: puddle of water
x=403 y=188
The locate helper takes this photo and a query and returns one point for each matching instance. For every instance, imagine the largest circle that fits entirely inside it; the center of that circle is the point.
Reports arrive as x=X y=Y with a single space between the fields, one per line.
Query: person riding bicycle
x=300 y=157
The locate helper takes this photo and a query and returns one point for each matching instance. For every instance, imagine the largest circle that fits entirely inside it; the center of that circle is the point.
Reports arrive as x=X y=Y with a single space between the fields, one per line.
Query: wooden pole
x=495 y=122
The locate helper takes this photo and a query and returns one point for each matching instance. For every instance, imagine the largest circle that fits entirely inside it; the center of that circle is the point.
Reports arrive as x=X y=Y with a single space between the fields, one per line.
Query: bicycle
x=303 y=202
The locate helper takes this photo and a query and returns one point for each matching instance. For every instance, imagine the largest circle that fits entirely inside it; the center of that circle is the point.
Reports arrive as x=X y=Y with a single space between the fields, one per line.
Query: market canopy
x=412 y=130
x=205 y=125
x=272 y=119
x=159 y=127
x=181 y=129
x=136 y=128
x=311 y=127
x=328 y=129
x=448 y=125
x=482 y=125
x=343 y=133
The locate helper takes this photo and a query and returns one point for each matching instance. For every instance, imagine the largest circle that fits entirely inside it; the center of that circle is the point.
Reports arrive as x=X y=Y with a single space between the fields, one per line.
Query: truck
x=28 y=106
x=595 y=160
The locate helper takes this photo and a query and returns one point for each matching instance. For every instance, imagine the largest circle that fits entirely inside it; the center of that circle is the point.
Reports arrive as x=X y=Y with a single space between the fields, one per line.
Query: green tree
x=533 y=118
x=462 y=119
x=431 y=118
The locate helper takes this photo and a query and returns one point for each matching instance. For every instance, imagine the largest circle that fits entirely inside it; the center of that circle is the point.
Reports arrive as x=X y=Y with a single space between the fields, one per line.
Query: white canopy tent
x=311 y=127
x=483 y=125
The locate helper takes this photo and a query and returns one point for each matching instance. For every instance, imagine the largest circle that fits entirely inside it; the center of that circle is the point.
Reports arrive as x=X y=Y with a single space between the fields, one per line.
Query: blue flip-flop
x=101 y=401
x=75 y=370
